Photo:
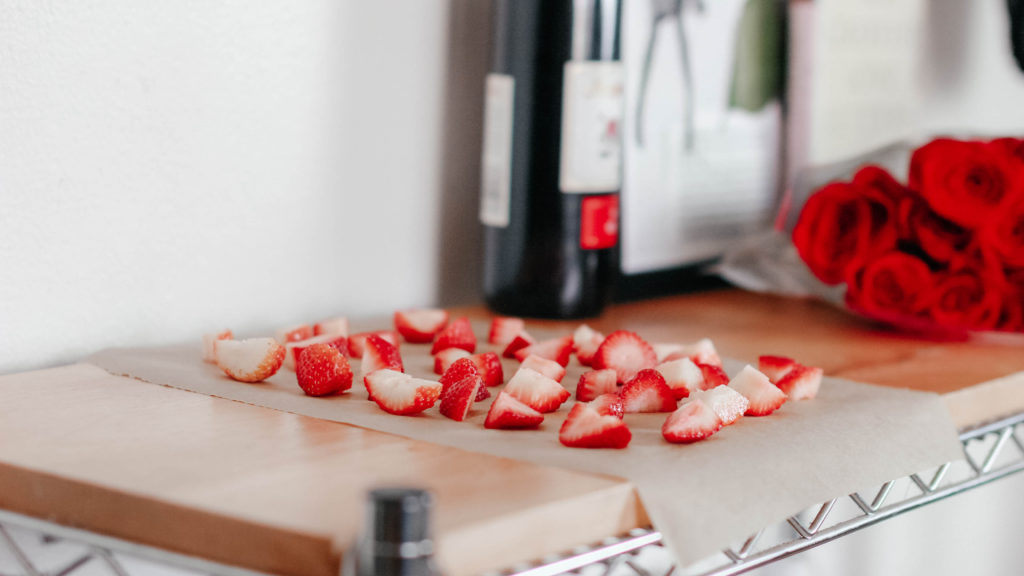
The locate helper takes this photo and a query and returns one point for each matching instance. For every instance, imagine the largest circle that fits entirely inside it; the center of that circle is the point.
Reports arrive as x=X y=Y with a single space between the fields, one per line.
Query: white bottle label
x=496 y=161
x=592 y=107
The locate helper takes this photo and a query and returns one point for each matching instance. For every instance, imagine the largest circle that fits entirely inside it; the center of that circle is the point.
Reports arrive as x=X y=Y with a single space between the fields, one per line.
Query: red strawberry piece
x=209 y=352
x=764 y=397
x=586 y=341
x=626 y=353
x=508 y=412
x=536 y=390
x=647 y=392
x=802 y=382
x=252 y=360
x=682 y=376
x=458 y=334
x=356 y=341
x=420 y=325
x=445 y=358
x=504 y=329
x=399 y=393
x=459 y=370
x=322 y=369
x=458 y=398
x=482 y=393
x=379 y=354
x=489 y=366
x=522 y=340
x=729 y=404
x=608 y=404
x=295 y=333
x=557 y=349
x=595 y=383
x=693 y=421
x=588 y=428
x=549 y=368
x=714 y=376
x=337 y=325
x=775 y=367
x=294 y=349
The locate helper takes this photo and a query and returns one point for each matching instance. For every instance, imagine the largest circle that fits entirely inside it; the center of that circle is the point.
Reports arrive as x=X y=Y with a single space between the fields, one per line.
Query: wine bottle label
x=496 y=161
x=592 y=105
x=599 y=222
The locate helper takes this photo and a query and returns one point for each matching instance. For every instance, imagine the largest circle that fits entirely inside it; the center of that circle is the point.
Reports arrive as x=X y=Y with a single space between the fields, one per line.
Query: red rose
x=965 y=300
x=939 y=238
x=962 y=181
x=881 y=180
x=1004 y=237
x=897 y=284
x=841 y=226
x=1012 y=147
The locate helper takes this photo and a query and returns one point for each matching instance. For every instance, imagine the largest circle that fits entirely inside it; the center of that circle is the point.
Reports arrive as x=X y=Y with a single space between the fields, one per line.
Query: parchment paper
x=702 y=497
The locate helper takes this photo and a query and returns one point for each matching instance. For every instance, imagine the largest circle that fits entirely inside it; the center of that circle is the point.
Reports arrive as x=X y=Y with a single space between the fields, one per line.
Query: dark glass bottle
x=552 y=160
x=396 y=539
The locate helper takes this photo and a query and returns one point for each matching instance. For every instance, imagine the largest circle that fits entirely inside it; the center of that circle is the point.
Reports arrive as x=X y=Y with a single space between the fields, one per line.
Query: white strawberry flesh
x=252 y=360
x=209 y=350
x=337 y=326
x=763 y=396
x=682 y=376
x=399 y=393
x=549 y=368
x=586 y=341
x=729 y=404
x=802 y=382
x=420 y=325
x=692 y=422
x=536 y=390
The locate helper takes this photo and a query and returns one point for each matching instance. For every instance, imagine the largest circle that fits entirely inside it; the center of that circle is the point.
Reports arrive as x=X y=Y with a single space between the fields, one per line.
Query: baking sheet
x=702 y=497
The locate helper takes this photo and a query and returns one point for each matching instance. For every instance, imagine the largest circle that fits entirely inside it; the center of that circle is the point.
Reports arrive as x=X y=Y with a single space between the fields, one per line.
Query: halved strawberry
x=459 y=370
x=294 y=333
x=379 y=354
x=665 y=350
x=322 y=369
x=701 y=352
x=356 y=341
x=209 y=352
x=647 y=392
x=714 y=376
x=337 y=325
x=504 y=329
x=775 y=367
x=557 y=349
x=294 y=349
x=595 y=383
x=489 y=366
x=586 y=341
x=729 y=404
x=522 y=340
x=420 y=325
x=588 y=428
x=549 y=368
x=482 y=393
x=508 y=412
x=693 y=421
x=626 y=353
x=458 y=398
x=802 y=382
x=399 y=393
x=764 y=397
x=536 y=390
x=252 y=360
x=608 y=404
x=445 y=358
x=457 y=334
x=682 y=376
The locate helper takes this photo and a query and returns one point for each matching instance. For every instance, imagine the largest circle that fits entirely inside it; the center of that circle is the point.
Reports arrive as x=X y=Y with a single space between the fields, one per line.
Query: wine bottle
x=552 y=157
x=396 y=539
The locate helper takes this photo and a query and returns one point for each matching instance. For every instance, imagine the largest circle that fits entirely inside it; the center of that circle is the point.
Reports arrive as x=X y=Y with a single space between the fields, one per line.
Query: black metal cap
x=398 y=516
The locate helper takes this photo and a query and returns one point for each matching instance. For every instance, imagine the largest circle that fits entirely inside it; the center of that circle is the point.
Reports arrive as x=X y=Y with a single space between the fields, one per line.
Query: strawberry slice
x=693 y=421
x=588 y=428
x=713 y=375
x=509 y=413
x=482 y=393
x=504 y=329
x=522 y=340
x=682 y=376
x=729 y=404
x=489 y=366
x=536 y=390
x=549 y=368
x=626 y=353
x=459 y=370
x=337 y=325
x=458 y=398
x=647 y=392
x=557 y=349
x=399 y=393
x=322 y=370
x=608 y=405
x=209 y=351
x=802 y=382
x=775 y=367
x=666 y=351
x=356 y=341
x=764 y=397
x=458 y=334
x=379 y=354
x=701 y=352
x=586 y=341
x=294 y=333
x=445 y=358
x=420 y=325
x=595 y=383
x=294 y=349
x=252 y=360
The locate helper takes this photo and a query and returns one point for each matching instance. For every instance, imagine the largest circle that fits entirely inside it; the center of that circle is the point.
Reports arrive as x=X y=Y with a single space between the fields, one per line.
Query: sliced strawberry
x=586 y=341
x=421 y=324
x=379 y=354
x=693 y=421
x=294 y=333
x=445 y=358
x=356 y=341
x=209 y=351
x=399 y=393
x=595 y=383
x=587 y=428
x=549 y=368
x=647 y=392
x=459 y=370
x=337 y=325
x=802 y=382
x=482 y=393
x=701 y=352
x=729 y=404
x=714 y=376
x=667 y=351
x=294 y=349
x=508 y=412
x=536 y=390
x=489 y=366
x=252 y=360
x=764 y=397
x=322 y=370
x=626 y=353
x=458 y=334
x=682 y=376
x=557 y=349
x=458 y=398
x=522 y=340
x=504 y=330
x=608 y=405
x=775 y=367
